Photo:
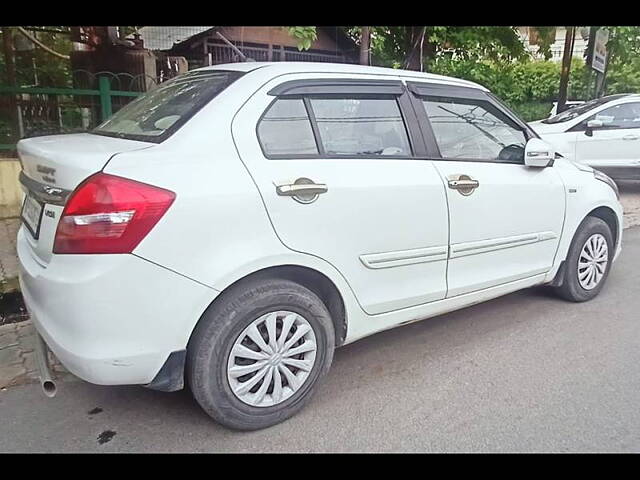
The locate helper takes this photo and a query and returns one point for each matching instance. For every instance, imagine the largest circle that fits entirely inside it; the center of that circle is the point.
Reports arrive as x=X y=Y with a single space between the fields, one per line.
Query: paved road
x=525 y=372
x=630 y=199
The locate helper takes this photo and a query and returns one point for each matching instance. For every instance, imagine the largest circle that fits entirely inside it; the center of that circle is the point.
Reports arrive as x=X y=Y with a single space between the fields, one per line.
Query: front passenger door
x=505 y=218
x=615 y=147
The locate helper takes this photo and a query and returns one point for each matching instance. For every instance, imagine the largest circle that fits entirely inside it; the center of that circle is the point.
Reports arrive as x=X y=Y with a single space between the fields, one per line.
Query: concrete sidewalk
x=17 y=358
x=8 y=257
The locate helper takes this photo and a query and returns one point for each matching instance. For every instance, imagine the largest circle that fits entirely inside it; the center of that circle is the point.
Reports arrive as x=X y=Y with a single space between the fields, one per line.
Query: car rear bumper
x=110 y=319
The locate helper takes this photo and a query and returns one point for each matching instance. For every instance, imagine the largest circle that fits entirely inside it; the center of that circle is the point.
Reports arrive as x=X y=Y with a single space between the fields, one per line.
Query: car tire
x=574 y=286
x=227 y=327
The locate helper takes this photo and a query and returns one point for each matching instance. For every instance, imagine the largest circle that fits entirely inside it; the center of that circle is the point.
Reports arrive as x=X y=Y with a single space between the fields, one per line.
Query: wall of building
x=557 y=48
x=275 y=36
x=10 y=191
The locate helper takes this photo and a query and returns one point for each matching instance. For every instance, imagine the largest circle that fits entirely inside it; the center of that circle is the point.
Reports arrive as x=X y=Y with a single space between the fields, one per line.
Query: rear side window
x=361 y=126
x=285 y=129
x=468 y=129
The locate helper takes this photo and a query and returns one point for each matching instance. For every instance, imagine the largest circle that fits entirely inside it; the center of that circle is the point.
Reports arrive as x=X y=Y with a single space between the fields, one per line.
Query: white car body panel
x=380 y=234
x=491 y=241
x=110 y=319
x=605 y=149
x=403 y=197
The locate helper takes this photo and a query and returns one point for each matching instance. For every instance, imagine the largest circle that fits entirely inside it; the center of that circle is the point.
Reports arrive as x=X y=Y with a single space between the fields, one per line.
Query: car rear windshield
x=578 y=110
x=158 y=113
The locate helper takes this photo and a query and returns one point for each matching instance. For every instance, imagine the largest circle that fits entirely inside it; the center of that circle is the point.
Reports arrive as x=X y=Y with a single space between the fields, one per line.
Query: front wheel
x=257 y=355
x=588 y=261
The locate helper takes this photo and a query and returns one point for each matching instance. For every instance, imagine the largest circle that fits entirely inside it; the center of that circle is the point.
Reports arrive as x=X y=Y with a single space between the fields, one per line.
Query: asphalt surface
x=523 y=373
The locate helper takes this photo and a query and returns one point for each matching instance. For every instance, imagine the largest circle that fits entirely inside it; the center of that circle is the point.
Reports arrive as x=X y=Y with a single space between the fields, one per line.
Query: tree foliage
x=34 y=65
x=305 y=36
x=394 y=46
x=623 y=45
x=529 y=87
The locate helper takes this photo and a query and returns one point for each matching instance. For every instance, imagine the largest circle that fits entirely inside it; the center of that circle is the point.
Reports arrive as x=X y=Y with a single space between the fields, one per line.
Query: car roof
x=279 y=68
x=618 y=96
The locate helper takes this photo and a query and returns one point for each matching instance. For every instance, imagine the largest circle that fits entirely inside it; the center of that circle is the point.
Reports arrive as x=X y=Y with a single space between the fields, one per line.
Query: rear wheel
x=257 y=355
x=588 y=262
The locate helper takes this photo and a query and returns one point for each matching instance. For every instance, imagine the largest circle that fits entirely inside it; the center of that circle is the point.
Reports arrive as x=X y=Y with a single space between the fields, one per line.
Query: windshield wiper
x=471 y=122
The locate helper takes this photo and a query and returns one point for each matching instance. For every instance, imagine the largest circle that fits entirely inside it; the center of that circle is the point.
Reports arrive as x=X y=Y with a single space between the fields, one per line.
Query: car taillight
x=109 y=214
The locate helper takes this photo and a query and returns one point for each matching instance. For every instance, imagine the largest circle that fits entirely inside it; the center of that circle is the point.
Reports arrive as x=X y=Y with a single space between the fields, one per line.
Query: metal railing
x=224 y=54
x=33 y=110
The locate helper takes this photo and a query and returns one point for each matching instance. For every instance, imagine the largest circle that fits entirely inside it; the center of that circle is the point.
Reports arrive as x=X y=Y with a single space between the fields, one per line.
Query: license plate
x=32 y=215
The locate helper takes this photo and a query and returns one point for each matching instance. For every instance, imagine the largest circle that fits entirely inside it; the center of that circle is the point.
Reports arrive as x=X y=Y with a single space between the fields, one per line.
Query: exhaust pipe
x=46 y=382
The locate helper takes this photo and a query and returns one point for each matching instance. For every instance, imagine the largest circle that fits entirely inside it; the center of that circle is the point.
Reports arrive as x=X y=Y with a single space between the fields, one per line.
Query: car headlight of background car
x=606 y=179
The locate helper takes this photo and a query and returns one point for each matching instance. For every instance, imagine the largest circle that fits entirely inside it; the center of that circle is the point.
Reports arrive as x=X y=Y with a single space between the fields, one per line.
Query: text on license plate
x=32 y=214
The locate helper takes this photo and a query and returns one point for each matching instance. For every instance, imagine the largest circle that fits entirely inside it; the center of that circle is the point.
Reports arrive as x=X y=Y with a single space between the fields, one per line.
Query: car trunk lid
x=52 y=166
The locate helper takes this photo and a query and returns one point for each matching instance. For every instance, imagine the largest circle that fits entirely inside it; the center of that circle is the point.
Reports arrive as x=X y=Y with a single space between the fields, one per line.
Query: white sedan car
x=230 y=228
x=603 y=133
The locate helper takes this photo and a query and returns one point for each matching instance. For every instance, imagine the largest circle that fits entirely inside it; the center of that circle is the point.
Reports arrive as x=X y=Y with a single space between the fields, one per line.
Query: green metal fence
x=45 y=110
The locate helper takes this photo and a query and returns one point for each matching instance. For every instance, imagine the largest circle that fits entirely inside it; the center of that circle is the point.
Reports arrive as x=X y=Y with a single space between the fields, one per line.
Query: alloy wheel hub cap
x=271 y=358
x=592 y=262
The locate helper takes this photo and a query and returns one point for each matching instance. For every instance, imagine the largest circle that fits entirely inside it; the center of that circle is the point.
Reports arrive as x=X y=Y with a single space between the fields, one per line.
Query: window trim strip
x=341 y=86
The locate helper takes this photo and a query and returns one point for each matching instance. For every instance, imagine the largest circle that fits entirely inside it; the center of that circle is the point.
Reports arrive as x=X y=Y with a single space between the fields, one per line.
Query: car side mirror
x=591 y=125
x=538 y=153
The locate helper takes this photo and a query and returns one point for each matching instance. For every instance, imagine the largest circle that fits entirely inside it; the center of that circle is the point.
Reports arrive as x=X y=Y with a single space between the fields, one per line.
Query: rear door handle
x=303 y=190
x=631 y=137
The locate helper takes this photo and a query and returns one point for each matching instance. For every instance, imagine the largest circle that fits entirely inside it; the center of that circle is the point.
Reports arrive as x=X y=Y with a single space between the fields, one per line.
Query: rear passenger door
x=505 y=218
x=335 y=160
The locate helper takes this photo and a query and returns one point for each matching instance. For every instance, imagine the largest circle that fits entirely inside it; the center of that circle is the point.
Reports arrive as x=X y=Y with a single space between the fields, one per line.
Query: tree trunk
x=415 y=42
x=566 y=68
x=365 y=41
x=9 y=61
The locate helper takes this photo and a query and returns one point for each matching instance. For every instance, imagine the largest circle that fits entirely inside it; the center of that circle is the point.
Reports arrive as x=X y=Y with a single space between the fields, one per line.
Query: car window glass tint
x=468 y=130
x=361 y=126
x=626 y=115
x=285 y=129
x=154 y=115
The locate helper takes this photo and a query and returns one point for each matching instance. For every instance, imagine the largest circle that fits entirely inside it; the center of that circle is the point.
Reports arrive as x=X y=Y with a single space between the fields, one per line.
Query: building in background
x=529 y=37
x=203 y=46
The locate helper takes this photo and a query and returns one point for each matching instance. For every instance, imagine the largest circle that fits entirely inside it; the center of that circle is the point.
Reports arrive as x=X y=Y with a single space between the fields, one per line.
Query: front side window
x=626 y=115
x=153 y=116
x=361 y=126
x=285 y=129
x=474 y=130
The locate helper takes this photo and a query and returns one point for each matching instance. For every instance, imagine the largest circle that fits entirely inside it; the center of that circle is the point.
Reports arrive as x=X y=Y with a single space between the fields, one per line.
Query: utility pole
x=365 y=42
x=566 y=68
x=589 y=61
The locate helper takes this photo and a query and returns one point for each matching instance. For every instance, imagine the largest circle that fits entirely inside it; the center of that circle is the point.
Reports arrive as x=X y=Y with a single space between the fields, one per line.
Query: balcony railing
x=225 y=54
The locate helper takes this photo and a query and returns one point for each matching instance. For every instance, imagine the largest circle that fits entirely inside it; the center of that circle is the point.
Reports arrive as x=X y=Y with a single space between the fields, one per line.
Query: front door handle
x=630 y=137
x=303 y=190
x=464 y=184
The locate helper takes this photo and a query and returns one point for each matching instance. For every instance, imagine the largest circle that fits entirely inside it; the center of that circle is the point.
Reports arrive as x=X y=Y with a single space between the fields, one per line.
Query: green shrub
x=526 y=83
x=530 y=111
